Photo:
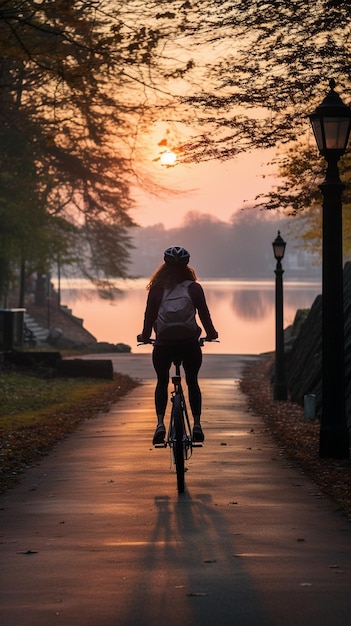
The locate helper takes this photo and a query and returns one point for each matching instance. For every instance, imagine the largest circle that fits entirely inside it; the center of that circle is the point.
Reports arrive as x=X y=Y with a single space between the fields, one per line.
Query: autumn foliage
x=297 y=439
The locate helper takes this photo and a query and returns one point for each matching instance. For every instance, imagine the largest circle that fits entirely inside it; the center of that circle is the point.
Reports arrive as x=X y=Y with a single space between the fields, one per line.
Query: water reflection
x=242 y=311
x=244 y=303
x=252 y=304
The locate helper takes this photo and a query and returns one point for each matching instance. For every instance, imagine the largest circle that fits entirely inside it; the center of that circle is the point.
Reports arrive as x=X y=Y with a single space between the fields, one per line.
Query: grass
x=36 y=412
x=25 y=400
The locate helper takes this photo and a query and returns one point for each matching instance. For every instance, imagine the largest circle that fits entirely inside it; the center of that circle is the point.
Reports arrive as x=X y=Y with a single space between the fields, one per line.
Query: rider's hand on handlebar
x=141 y=339
x=211 y=338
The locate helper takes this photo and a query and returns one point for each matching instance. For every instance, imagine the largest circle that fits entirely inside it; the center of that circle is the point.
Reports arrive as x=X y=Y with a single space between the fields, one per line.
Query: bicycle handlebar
x=202 y=340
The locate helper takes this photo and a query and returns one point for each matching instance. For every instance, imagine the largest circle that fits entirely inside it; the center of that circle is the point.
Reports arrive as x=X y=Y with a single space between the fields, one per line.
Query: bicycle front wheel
x=178 y=446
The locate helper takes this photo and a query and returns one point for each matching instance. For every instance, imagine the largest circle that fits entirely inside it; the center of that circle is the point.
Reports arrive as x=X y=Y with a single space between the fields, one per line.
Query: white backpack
x=176 y=314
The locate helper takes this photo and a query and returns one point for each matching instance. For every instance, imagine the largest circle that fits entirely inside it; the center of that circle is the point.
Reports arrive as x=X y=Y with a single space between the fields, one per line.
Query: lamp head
x=331 y=124
x=279 y=247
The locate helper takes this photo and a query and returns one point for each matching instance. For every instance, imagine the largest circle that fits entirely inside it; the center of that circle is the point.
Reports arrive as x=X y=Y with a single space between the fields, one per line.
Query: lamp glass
x=336 y=132
x=279 y=247
x=331 y=133
x=279 y=251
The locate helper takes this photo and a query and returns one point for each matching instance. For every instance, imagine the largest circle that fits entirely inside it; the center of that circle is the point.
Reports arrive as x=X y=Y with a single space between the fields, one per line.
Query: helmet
x=177 y=254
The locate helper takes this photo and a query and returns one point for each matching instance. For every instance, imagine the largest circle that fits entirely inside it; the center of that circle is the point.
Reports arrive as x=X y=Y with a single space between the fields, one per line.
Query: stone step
x=40 y=333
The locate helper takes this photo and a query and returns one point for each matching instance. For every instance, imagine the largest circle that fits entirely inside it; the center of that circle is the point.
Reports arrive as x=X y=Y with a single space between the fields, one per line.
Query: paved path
x=96 y=535
x=213 y=366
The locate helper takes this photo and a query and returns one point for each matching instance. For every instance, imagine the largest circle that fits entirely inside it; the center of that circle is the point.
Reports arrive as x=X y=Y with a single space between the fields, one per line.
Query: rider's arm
x=152 y=305
x=199 y=300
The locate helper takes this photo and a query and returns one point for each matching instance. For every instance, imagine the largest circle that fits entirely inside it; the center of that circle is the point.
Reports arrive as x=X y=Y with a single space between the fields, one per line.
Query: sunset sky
x=218 y=188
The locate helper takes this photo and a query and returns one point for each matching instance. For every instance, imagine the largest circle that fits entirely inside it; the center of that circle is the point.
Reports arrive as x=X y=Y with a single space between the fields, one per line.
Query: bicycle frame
x=179 y=431
x=178 y=391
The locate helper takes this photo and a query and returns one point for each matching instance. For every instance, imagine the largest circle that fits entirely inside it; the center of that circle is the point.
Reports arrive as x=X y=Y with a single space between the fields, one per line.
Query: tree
x=275 y=59
x=91 y=78
x=272 y=62
x=301 y=170
x=241 y=248
x=77 y=78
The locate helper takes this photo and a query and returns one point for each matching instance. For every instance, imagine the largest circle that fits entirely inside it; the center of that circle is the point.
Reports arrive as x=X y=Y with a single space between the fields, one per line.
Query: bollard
x=310 y=406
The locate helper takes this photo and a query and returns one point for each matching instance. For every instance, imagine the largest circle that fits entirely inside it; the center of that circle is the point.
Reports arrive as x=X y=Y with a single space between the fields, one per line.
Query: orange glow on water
x=243 y=312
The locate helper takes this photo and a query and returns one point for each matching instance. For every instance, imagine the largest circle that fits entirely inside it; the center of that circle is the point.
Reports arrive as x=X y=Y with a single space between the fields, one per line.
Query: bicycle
x=179 y=438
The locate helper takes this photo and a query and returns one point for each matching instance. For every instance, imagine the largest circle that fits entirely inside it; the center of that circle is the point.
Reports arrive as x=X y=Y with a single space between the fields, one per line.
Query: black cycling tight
x=191 y=356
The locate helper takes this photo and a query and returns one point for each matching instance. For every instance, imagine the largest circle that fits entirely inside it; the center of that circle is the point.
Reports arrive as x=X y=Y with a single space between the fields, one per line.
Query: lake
x=242 y=311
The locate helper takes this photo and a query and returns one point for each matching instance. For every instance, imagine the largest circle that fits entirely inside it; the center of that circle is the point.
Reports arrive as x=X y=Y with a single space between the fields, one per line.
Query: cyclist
x=173 y=271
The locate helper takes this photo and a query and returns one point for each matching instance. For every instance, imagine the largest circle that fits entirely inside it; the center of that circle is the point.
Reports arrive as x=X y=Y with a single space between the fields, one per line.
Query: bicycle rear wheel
x=178 y=446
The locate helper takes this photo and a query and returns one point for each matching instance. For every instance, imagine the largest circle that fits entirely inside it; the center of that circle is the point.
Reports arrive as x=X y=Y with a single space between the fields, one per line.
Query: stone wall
x=304 y=360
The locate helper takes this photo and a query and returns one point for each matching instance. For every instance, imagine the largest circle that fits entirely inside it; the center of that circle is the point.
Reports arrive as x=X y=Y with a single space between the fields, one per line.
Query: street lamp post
x=331 y=123
x=279 y=386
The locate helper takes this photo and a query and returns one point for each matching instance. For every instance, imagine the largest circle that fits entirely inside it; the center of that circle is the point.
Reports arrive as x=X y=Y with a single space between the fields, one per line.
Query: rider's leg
x=192 y=363
x=161 y=363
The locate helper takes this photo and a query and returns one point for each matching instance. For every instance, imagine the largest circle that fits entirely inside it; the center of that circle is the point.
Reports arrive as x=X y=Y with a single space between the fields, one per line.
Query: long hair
x=168 y=275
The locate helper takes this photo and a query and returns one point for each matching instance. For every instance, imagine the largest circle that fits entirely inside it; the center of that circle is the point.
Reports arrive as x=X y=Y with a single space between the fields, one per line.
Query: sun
x=168 y=158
